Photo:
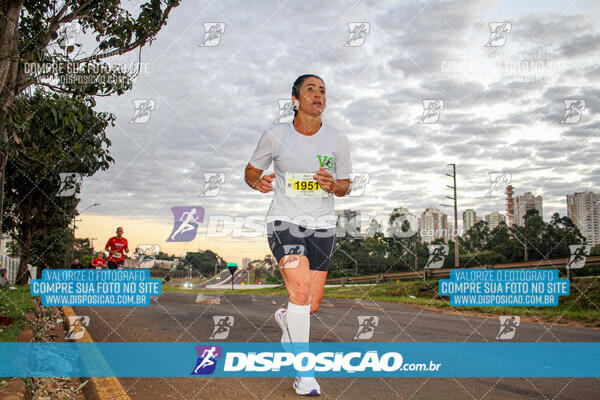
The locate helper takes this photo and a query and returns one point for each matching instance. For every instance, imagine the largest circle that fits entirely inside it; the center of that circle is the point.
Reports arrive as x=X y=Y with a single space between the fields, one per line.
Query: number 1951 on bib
x=302 y=184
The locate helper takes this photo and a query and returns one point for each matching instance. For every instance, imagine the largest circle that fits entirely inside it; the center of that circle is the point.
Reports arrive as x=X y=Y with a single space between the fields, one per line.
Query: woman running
x=312 y=164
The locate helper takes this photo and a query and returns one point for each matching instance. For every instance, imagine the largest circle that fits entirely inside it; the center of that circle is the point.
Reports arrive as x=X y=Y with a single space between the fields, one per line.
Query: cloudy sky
x=502 y=108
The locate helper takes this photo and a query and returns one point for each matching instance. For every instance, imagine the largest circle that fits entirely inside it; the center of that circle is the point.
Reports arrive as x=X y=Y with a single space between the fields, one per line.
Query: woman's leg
x=317 y=287
x=296 y=275
x=295 y=271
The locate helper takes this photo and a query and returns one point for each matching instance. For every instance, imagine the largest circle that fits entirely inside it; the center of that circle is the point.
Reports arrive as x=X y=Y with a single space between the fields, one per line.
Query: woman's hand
x=265 y=183
x=325 y=180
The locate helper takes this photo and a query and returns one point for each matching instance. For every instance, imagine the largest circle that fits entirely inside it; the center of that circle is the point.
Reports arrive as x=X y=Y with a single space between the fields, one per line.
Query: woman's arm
x=253 y=178
x=341 y=187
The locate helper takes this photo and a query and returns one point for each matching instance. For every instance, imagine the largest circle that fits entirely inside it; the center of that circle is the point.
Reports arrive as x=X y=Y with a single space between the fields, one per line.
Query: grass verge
x=13 y=306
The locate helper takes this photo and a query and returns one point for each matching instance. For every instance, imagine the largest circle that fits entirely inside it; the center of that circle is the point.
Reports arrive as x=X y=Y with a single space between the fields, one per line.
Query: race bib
x=302 y=184
x=116 y=254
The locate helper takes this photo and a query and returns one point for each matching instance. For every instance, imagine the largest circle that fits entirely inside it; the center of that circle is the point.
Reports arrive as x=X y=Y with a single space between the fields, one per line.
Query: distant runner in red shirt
x=116 y=247
x=99 y=262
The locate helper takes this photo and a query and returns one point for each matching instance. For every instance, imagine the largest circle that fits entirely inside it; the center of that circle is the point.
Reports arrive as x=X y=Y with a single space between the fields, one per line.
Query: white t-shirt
x=293 y=152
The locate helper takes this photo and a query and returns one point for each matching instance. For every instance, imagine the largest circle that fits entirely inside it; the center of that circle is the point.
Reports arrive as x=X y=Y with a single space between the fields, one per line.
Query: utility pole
x=525 y=255
x=456 y=249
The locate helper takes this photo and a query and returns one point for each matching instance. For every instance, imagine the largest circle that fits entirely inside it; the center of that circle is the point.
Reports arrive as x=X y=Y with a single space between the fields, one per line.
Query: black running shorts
x=316 y=244
x=115 y=264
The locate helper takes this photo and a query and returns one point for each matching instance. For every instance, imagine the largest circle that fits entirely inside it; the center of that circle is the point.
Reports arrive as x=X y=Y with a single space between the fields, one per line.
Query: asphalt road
x=175 y=317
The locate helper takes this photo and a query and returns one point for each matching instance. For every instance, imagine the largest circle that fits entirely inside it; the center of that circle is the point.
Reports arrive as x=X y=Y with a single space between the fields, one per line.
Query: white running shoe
x=281 y=319
x=307 y=386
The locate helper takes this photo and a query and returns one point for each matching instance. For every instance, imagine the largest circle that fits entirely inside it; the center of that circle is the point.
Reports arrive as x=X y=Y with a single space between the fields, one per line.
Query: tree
x=204 y=261
x=164 y=256
x=502 y=242
x=475 y=238
x=58 y=134
x=84 y=251
x=34 y=50
x=560 y=234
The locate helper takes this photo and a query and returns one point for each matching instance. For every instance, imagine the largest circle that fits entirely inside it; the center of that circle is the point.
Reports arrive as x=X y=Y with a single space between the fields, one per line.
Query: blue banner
x=326 y=359
x=92 y=287
x=503 y=287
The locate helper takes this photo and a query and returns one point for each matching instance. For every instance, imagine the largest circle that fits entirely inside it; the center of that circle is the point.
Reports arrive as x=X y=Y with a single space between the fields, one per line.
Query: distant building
x=583 y=208
x=510 y=206
x=525 y=203
x=245 y=262
x=434 y=225
x=469 y=219
x=493 y=219
x=347 y=221
x=478 y=219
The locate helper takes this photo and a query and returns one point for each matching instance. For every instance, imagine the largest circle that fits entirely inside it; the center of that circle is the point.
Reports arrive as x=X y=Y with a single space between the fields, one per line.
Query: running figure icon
x=186 y=222
x=207 y=359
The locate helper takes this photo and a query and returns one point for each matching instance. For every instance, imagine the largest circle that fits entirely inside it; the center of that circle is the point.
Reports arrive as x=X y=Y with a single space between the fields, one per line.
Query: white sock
x=298 y=322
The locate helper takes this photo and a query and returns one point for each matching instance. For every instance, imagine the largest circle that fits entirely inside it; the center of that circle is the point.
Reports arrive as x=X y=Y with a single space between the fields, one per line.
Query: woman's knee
x=300 y=296
x=314 y=306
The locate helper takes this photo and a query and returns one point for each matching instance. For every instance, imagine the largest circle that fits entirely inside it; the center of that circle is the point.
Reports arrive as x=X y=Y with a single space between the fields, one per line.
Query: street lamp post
x=74 y=227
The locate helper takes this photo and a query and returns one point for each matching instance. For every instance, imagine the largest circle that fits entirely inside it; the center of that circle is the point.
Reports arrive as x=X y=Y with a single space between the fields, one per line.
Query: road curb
x=105 y=388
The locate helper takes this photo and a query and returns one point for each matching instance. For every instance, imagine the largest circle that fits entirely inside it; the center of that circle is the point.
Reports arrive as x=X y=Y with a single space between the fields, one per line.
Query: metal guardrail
x=445 y=272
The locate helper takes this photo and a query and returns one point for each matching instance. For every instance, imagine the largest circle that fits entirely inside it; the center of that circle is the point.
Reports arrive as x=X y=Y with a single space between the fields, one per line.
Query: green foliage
x=84 y=72
x=204 y=262
x=14 y=304
x=478 y=246
x=165 y=256
x=58 y=134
